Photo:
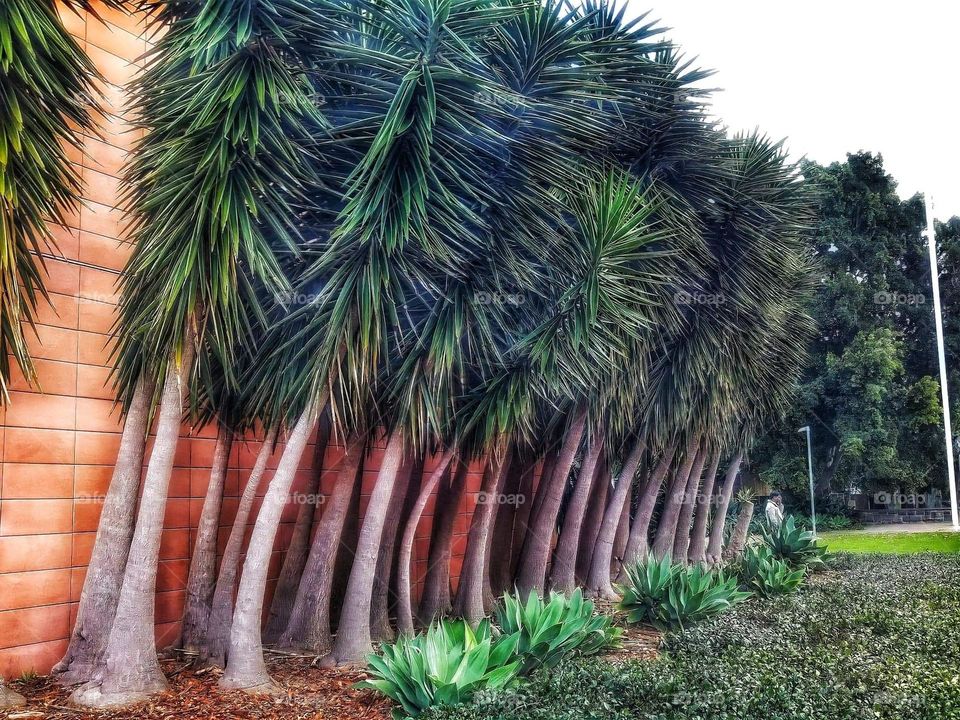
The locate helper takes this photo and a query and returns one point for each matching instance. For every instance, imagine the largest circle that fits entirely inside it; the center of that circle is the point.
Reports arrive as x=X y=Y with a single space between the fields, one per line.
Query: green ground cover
x=876 y=637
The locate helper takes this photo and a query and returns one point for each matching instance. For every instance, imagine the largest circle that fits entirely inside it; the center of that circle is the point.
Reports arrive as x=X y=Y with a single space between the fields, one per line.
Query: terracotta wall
x=58 y=446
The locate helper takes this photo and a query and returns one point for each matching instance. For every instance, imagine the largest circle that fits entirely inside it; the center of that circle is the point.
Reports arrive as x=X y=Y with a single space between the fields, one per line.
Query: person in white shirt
x=774 y=510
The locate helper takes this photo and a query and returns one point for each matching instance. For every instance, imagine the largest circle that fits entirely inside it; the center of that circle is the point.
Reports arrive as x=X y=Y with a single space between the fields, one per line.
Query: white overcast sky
x=835 y=77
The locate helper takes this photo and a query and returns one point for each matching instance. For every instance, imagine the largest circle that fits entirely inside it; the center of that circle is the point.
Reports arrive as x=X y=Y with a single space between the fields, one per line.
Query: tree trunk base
x=10 y=699
x=383 y=632
x=93 y=695
x=605 y=592
x=74 y=672
x=252 y=685
x=330 y=661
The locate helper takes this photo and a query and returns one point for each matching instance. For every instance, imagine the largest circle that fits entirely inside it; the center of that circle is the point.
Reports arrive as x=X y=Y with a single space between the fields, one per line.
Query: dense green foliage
x=670 y=596
x=878 y=639
x=443 y=666
x=870 y=393
x=360 y=229
x=827 y=522
x=550 y=630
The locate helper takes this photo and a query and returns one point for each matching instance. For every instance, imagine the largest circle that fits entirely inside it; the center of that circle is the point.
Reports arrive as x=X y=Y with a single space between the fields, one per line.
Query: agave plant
x=794 y=545
x=668 y=595
x=763 y=573
x=443 y=666
x=550 y=630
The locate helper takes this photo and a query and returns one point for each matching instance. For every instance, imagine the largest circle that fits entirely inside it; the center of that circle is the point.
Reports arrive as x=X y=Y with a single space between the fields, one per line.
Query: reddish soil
x=311 y=694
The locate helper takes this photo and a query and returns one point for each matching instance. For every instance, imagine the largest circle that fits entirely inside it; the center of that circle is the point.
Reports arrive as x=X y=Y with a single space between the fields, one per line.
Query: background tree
x=870 y=392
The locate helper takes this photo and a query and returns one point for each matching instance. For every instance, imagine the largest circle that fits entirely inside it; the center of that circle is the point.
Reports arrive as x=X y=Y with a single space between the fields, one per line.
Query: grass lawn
x=892 y=543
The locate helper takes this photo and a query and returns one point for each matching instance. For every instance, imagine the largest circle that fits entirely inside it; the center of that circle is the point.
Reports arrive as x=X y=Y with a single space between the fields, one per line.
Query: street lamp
x=813 y=509
x=944 y=395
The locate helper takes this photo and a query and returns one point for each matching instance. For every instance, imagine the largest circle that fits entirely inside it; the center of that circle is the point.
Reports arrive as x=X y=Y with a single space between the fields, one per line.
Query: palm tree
x=309 y=624
x=598 y=579
x=714 y=551
x=435 y=598
x=212 y=648
x=562 y=571
x=201 y=579
x=638 y=542
x=295 y=559
x=698 y=535
x=213 y=187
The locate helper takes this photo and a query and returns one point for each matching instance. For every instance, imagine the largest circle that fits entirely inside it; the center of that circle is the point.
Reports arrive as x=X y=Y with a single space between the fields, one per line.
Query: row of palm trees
x=496 y=232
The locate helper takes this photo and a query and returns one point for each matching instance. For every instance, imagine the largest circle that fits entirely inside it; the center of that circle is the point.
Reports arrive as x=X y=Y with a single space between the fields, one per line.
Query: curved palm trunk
x=637 y=542
x=670 y=515
x=343 y=563
x=621 y=537
x=681 y=537
x=295 y=559
x=130 y=669
x=408 y=480
x=592 y=521
x=549 y=465
x=203 y=563
x=101 y=588
x=353 y=641
x=521 y=520
x=486 y=586
x=405 y=553
x=9 y=699
x=562 y=572
x=537 y=546
x=501 y=538
x=598 y=578
x=309 y=625
x=213 y=649
x=435 y=598
x=698 y=536
x=715 y=547
x=245 y=666
x=738 y=540
x=469 y=603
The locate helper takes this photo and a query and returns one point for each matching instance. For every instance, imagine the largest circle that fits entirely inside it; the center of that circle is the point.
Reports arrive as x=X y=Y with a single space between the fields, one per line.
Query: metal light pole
x=813 y=509
x=944 y=393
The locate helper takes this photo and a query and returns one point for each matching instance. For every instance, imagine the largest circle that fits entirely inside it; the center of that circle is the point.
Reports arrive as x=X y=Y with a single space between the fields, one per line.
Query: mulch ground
x=311 y=694
x=638 y=642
